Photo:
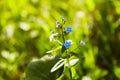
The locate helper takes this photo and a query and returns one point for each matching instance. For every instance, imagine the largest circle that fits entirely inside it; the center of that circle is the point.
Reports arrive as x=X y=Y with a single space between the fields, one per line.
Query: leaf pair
x=64 y=62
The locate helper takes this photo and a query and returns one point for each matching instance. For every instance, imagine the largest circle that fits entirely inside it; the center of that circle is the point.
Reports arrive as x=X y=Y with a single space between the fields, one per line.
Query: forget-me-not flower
x=67 y=43
x=68 y=29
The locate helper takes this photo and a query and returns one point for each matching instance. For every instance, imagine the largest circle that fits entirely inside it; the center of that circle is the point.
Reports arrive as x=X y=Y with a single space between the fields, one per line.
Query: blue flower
x=69 y=29
x=57 y=24
x=67 y=43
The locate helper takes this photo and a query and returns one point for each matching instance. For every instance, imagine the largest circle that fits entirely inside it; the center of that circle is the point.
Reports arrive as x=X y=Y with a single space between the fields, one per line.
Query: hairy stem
x=62 y=33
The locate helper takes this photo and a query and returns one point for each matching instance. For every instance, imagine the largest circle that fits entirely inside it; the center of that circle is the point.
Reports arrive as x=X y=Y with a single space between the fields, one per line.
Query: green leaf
x=72 y=62
x=58 y=65
x=50 y=51
x=40 y=70
x=58 y=42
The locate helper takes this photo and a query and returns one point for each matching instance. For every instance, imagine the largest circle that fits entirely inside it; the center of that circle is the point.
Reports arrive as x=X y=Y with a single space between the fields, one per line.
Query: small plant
x=68 y=57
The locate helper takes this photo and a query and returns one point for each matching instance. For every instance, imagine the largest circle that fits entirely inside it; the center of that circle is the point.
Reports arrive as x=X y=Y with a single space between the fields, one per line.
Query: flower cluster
x=67 y=55
x=68 y=29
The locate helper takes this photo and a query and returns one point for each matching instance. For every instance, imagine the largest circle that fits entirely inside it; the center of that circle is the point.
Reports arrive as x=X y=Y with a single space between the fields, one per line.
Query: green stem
x=69 y=67
x=63 y=36
x=62 y=33
x=67 y=53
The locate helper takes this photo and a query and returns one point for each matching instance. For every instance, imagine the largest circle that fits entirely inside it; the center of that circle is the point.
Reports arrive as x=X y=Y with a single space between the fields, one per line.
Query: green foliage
x=65 y=62
x=25 y=27
x=40 y=69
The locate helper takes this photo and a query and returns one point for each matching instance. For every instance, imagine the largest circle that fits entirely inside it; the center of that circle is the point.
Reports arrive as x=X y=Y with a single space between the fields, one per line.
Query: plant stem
x=63 y=34
x=69 y=67
x=70 y=73
x=67 y=53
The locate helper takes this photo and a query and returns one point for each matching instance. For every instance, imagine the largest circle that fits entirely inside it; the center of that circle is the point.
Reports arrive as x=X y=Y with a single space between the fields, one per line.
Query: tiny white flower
x=57 y=24
x=52 y=36
x=82 y=43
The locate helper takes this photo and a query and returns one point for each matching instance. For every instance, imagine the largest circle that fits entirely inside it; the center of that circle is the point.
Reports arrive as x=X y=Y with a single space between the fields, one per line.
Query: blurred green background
x=25 y=27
